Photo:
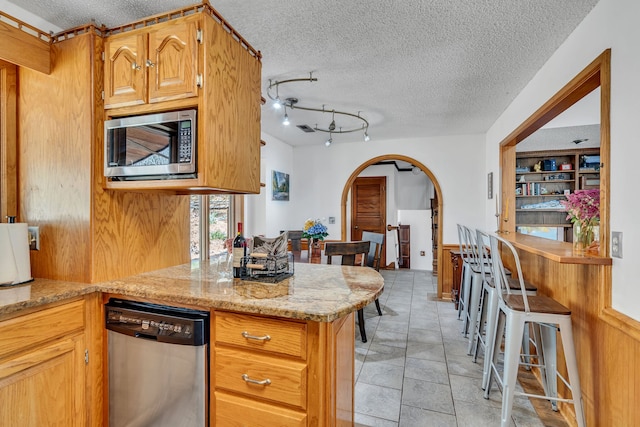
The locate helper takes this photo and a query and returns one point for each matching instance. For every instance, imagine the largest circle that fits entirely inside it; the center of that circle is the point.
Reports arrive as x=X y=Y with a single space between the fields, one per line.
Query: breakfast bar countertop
x=316 y=292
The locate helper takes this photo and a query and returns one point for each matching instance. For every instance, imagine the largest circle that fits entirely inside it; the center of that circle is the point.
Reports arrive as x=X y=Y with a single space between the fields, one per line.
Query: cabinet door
x=45 y=387
x=173 y=56
x=124 y=70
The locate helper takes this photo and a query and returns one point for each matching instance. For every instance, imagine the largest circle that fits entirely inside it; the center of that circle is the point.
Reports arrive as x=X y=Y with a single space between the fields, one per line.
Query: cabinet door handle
x=248 y=336
x=247 y=379
x=150 y=64
x=135 y=66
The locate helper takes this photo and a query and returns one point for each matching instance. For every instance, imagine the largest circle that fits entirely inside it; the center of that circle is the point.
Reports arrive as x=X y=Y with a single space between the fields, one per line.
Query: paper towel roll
x=8 y=268
x=18 y=238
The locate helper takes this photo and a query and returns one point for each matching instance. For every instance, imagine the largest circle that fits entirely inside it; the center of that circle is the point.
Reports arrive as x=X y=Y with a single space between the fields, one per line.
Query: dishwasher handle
x=146 y=336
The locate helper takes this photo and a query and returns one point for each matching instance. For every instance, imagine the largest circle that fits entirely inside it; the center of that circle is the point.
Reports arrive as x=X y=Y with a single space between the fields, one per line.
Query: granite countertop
x=316 y=292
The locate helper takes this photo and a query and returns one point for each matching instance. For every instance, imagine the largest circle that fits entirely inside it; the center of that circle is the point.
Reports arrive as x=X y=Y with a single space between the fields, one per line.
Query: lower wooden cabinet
x=43 y=375
x=235 y=411
x=268 y=371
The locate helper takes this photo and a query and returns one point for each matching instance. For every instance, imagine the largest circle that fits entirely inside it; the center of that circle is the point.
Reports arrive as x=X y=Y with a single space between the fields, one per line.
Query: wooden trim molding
x=597 y=74
x=8 y=141
x=436 y=186
x=25 y=45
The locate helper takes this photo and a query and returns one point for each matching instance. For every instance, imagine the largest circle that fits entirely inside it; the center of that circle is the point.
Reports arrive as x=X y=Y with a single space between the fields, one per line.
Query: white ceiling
x=413 y=68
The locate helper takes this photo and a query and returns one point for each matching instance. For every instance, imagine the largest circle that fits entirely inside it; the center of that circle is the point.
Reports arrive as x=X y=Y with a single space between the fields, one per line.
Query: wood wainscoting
x=444 y=288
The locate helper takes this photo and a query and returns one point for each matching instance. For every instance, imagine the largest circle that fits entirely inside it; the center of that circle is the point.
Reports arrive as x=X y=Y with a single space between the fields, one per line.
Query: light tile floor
x=414 y=370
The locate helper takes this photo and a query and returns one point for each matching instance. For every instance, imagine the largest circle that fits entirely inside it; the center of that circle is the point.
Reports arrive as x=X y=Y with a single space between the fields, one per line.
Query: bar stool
x=465 y=283
x=475 y=289
x=514 y=311
x=489 y=308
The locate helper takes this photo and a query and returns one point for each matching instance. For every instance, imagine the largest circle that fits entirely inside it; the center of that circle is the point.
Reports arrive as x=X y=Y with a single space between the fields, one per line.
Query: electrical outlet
x=616 y=244
x=34 y=238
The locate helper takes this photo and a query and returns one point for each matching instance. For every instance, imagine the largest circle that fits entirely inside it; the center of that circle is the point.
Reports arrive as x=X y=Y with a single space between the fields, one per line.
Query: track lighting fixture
x=329 y=141
x=332 y=128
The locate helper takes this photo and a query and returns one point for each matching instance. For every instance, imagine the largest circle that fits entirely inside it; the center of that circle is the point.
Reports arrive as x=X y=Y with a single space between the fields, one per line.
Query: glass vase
x=585 y=237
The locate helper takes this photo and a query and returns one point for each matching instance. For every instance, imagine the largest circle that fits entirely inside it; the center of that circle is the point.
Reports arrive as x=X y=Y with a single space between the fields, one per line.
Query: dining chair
x=375 y=254
x=295 y=237
x=351 y=252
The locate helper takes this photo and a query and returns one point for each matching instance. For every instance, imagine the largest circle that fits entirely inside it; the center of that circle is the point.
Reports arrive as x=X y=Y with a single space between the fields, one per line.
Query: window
x=219 y=216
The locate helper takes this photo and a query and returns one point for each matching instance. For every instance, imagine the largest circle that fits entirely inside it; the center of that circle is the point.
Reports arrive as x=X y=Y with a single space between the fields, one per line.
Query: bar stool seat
x=540 y=304
x=513 y=315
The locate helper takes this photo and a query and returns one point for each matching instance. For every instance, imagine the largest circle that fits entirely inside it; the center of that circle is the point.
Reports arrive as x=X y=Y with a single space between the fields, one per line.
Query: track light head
x=285 y=120
x=328 y=142
x=366 y=137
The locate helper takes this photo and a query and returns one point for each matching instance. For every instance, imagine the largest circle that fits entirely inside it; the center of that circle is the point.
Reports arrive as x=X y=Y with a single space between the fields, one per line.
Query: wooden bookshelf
x=542 y=180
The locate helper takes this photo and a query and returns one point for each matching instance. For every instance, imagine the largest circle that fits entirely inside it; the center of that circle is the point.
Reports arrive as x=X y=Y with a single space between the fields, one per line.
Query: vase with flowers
x=315 y=231
x=583 y=209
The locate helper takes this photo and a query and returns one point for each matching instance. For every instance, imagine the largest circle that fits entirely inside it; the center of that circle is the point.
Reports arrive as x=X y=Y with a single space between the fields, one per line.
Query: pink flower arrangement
x=583 y=207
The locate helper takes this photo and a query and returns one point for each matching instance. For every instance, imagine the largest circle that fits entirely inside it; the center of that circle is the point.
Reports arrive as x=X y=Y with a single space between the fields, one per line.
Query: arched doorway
x=436 y=185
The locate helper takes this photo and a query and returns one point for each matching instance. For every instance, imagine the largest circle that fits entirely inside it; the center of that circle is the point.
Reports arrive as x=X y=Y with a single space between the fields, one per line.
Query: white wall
x=452 y=160
x=420 y=237
x=415 y=191
x=611 y=24
x=264 y=215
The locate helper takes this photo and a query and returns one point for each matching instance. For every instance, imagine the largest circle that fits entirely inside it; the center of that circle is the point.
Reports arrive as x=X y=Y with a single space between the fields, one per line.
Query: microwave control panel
x=185 y=146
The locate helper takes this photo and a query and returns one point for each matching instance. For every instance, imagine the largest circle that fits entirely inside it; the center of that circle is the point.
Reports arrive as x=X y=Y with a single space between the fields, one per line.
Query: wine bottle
x=239 y=252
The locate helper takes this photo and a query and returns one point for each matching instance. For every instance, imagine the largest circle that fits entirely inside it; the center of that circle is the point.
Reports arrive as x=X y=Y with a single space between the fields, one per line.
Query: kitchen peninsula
x=309 y=317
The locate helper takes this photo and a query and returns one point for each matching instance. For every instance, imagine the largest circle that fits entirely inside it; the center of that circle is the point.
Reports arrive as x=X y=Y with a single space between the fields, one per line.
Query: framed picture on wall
x=490 y=185
x=280 y=186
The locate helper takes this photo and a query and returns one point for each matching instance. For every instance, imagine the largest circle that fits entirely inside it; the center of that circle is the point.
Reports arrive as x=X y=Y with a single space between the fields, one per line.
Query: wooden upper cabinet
x=154 y=64
x=192 y=62
x=125 y=80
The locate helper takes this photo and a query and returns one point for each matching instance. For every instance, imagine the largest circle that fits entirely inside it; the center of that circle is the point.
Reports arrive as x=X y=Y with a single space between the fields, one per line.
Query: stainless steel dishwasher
x=158 y=359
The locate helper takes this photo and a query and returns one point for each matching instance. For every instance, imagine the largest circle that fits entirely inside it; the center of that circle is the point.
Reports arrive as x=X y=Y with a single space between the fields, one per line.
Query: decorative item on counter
x=583 y=209
x=315 y=231
x=239 y=252
x=269 y=260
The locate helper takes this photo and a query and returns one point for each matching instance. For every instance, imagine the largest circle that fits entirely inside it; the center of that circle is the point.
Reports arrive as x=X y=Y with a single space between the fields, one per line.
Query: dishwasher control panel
x=157 y=322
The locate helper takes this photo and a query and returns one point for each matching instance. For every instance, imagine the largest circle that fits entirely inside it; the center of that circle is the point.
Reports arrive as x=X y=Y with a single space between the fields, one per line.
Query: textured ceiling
x=413 y=68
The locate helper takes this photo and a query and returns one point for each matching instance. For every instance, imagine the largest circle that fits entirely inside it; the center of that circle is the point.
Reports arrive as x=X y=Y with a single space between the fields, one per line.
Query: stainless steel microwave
x=151 y=146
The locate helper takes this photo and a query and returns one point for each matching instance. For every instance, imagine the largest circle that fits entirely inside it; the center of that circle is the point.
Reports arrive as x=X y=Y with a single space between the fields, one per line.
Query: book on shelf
x=529 y=189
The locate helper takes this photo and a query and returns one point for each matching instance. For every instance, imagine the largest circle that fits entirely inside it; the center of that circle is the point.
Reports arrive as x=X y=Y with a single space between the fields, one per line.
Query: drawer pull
x=248 y=336
x=247 y=379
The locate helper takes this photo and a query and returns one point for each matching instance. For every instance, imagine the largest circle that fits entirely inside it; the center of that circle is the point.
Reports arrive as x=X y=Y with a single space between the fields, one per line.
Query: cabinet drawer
x=284 y=337
x=31 y=330
x=235 y=411
x=287 y=378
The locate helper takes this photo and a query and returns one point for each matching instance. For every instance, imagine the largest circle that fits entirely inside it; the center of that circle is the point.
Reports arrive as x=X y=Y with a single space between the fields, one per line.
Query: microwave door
x=148 y=146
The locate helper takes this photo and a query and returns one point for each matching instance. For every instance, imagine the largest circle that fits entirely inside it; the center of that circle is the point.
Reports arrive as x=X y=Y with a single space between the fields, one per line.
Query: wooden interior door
x=369 y=209
x=404 y=243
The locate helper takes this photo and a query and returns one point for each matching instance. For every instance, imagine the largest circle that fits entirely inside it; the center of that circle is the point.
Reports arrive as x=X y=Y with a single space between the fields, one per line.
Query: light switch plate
x=616 y=244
